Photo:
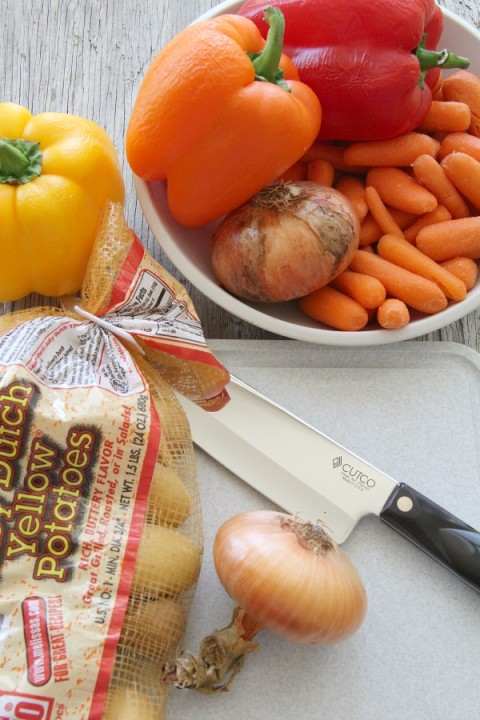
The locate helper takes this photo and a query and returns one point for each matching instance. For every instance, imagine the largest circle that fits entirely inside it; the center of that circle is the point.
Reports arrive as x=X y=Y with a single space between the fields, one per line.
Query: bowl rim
x=317 y=334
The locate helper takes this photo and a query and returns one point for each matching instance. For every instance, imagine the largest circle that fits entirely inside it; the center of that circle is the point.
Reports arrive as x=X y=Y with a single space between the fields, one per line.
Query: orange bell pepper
x=219 y=115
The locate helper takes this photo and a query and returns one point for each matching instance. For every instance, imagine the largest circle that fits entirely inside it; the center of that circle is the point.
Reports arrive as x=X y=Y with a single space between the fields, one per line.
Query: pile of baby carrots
x=417 y=197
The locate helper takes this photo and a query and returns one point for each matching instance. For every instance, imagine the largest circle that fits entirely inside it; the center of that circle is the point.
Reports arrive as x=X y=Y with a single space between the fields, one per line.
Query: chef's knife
x=310 y=475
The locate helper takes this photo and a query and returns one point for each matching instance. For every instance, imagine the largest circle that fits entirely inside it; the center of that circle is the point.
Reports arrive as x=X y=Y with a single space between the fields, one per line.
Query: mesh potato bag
x=100 y=519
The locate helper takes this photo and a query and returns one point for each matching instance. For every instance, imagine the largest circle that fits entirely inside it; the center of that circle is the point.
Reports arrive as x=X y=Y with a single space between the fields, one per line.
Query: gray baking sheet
x=413 y=411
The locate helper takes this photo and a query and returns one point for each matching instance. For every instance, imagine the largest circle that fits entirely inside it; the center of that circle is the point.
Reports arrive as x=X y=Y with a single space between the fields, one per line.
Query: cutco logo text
x=352 y=475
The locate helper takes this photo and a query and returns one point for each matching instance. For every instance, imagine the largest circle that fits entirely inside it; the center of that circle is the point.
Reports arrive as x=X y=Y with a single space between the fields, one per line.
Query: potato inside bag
x=100 y=521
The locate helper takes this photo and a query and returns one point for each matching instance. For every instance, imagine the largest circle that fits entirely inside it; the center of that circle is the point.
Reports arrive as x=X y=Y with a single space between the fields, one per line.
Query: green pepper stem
x=443 y=59
x=20 y=161
x=12 y=161
x=266 y=62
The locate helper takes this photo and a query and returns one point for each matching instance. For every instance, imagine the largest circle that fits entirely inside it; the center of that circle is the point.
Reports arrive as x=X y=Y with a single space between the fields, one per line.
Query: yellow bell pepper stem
x=20 y=161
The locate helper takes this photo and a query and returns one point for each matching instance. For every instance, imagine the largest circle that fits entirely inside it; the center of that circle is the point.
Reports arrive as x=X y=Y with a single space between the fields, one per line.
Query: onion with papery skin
x=288 y=577
x=287 y=241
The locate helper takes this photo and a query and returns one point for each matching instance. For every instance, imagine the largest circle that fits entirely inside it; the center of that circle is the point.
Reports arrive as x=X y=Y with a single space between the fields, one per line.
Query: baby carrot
x=464 y=268
x=464 y=86
x=370 y=230
x=440 y=214
x=332 y=153
x=365 y=289
x=353 y=187
x=432 y=175
x=464 y=172
x=459 y=142
x=402 y=253
x=399 y=151
x=381 y=213
x=415 y=291
x=398 y=189
x=297 y=171
x=437 y=93
x=333 y=308
x=444 y=116
x=321 y=171
x=446 y=240
x=393 y=314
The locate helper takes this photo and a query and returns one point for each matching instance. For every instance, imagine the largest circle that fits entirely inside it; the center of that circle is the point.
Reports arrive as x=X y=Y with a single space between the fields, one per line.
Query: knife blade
x=309 y=474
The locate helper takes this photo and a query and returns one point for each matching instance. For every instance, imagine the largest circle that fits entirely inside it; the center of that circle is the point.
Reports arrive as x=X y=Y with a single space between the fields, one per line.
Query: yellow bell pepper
x=57 y=173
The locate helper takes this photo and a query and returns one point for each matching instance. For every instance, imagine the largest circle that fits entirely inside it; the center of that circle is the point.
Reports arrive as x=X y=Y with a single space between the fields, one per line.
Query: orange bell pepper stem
x=266 y=62
x=202 y=122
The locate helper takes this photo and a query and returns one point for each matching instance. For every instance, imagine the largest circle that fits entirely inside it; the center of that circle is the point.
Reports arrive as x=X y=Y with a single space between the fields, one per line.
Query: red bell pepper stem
x=266 y=63
x=429 y=59
x=20 y=161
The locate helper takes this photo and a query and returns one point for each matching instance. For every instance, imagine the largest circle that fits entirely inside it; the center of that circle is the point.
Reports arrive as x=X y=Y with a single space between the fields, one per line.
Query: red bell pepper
x=366 y=60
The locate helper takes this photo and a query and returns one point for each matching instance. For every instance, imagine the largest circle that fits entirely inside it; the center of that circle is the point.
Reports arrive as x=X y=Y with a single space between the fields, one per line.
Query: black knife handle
x=436 y=531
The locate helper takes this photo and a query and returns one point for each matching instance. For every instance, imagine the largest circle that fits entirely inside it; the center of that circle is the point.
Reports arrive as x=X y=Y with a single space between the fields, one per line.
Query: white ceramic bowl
x=189 y=249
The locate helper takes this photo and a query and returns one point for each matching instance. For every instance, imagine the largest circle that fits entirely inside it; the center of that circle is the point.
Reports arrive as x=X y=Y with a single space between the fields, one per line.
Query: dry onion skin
x=288 y=577
x=290 y=239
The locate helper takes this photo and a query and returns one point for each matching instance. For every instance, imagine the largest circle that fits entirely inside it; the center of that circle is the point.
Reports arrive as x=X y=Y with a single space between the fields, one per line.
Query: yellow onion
x=290 y=239
x=289 y=577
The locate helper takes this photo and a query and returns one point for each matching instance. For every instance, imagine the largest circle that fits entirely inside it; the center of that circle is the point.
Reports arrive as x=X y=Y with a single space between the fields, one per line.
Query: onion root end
x=220 y=659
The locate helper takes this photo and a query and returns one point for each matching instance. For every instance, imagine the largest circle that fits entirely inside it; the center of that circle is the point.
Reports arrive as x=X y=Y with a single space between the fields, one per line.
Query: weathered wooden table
x=88 y=57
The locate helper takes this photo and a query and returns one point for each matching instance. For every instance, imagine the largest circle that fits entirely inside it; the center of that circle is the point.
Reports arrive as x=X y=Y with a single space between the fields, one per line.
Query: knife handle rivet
x=404 y=503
